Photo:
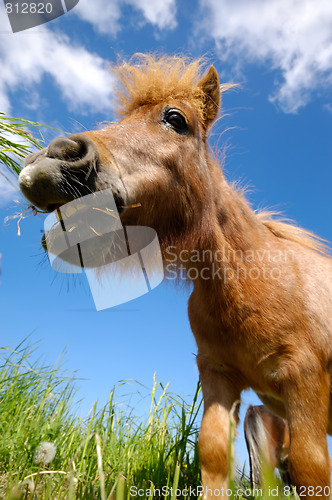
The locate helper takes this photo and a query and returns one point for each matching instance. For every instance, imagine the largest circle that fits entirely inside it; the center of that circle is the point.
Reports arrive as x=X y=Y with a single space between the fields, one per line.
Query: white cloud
x=328 y=107
x=161 y=13
x=106 y=16
x=293 y=36
x=103 y=14
x=83 y=78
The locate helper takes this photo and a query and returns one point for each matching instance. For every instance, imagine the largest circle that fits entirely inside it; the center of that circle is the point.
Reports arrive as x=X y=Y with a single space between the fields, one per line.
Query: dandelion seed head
x=44 y=453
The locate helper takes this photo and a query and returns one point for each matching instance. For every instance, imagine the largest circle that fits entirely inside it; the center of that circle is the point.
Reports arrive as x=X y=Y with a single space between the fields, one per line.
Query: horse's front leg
x=220 y=395
x=307 y=407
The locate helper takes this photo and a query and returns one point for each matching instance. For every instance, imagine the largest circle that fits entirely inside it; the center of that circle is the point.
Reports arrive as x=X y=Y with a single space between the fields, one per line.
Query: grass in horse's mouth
x=72 y=225
x=32 y=210
x=27 y=212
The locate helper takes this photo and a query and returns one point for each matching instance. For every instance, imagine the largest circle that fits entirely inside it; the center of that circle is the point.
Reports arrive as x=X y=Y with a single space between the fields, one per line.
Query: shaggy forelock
x=150 y=79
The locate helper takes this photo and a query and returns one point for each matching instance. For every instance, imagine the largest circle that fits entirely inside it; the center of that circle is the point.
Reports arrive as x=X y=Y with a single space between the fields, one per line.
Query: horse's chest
x=230 y=350
x=221 y=346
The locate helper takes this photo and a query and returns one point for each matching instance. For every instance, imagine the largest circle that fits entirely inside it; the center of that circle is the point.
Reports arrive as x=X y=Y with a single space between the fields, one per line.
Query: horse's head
x=154 y=160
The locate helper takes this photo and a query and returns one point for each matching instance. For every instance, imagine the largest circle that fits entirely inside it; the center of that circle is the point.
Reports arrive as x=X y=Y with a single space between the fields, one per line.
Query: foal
x=261 y=304
x=267 y=440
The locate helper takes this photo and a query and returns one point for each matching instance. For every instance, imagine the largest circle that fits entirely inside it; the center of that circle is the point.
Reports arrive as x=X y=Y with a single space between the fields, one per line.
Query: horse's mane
x=282 y=228
x=150 y=79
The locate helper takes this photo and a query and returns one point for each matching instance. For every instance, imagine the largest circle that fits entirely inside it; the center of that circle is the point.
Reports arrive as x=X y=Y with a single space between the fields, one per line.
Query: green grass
x=110 y=454
x=16 y=142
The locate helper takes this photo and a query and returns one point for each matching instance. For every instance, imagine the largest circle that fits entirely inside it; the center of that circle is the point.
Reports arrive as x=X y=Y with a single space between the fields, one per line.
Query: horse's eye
x=177 y=121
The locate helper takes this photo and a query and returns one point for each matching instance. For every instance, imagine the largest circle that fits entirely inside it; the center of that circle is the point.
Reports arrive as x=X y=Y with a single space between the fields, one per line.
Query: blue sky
x=277 y=132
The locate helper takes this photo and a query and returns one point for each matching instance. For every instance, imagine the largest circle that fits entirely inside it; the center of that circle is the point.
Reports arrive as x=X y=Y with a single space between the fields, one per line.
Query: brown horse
x=261 y=304
x=267 y=439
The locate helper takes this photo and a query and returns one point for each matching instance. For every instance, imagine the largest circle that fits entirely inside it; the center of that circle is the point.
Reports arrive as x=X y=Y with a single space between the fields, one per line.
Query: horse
x=261 y=301
x=267 y=440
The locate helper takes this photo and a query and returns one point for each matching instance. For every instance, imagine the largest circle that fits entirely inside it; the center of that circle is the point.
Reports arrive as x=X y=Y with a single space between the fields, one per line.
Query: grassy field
x=48 y=452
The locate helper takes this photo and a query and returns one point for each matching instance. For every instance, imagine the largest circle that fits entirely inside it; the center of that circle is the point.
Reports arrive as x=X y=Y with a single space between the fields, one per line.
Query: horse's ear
x=212 y=95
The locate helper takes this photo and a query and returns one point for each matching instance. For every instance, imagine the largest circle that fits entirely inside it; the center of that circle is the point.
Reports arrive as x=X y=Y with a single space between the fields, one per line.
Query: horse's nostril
x=63 y=148
x=78 y=150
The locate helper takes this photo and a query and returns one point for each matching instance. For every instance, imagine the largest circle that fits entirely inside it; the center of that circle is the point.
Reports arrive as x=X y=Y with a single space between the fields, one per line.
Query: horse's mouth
x=82 y=219
x=85 y=219
x=90 y=237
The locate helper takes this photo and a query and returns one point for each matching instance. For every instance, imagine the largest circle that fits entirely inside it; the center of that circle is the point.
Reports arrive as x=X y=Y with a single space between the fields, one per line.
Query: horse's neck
x=225 y=230
x=230 y=226
x=238 y=228
x=237 y=242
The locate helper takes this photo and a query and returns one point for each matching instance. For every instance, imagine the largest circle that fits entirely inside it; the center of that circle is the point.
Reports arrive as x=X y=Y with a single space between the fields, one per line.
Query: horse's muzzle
x=58 y=174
